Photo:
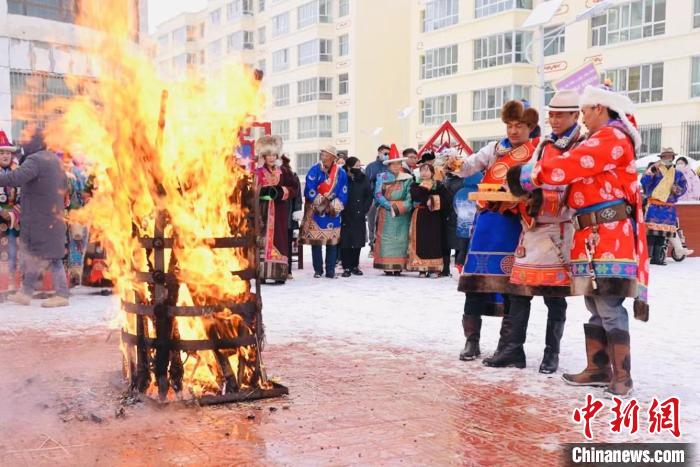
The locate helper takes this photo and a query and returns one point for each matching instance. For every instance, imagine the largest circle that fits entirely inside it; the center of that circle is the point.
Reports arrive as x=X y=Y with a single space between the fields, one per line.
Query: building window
x=343 y=84
x=343 y=123
x=305 y=160
x=695 y=77
x=179 y=35
x=440 y=14
x=314 y=89
x=215 y=17
x=555 y=40
x=261 y=5
x=343 y=45
x=281 y=128
x=500 y=49
x=487 y=103
x=690 y=137
x=280 y=60
x=29 y=92
x=280 y=95
x=314 y=51
x=641 y=18
x=478 y=143
x=317 y=11
x=343 y=8
x=192 y=32
x=262 y=38
x=491 y=7
x=435 y=110
x=696 y=14
x=262 y=65
x=549 y=92
x=214 y=49
x=315 y=126
x=163 y=41
x=280 y=24
x=248 y=40
x=238 y=8
x=439 y=62
x=240 y=40
x=191 y=61
x=642 y=83
x=56 y=10
x=651 y=139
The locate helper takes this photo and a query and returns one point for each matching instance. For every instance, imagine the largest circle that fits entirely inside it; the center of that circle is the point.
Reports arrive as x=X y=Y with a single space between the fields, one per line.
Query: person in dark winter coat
x=451 y=242
x=43 y=240
x=372 y=170
x=294 y=212
x=353 y=234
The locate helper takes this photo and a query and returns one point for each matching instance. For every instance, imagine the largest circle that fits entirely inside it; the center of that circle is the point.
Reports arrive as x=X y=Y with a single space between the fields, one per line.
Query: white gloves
x=297 y=216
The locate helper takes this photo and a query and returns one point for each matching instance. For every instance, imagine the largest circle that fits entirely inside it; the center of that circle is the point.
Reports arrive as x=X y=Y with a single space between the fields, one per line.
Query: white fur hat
x=613 y=101
x=268 y=144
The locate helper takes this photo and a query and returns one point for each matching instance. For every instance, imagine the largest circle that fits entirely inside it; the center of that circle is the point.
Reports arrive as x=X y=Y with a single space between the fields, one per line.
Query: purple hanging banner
x=587 y=75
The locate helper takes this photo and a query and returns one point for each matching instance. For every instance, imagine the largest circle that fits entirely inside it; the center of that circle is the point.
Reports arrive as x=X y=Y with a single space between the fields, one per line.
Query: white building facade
x=469 y=56
x=38 y=48
x=331 y=69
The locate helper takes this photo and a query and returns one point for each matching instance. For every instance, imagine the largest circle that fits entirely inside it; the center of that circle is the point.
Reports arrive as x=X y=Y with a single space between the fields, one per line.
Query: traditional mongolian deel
x=9 y=232
x=326 y=194
x=278 y=185
x=78 y=234
x=426 y=235
x=496 y=232
x=542 y=258
x=609 y=254
x=393 y=197
x=663 y=188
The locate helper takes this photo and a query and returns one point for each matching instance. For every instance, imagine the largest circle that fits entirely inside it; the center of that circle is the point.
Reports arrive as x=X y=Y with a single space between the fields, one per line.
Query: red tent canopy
x=445 y=137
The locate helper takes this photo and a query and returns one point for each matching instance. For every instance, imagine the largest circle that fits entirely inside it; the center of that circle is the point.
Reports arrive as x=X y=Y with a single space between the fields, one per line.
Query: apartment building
x=38 y=48
x=470 y=56
x=336 y=71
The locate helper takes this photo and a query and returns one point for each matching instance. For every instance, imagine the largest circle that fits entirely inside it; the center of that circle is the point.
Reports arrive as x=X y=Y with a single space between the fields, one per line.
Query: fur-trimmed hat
x=268 y=144
x=620 y=103
x=515 y=111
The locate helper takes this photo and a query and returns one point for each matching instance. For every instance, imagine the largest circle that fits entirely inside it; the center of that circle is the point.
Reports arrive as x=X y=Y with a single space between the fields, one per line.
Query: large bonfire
x=185 y=167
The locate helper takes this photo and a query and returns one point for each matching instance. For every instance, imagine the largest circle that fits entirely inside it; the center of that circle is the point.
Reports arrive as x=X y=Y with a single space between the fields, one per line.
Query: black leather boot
x=511 y=353
x=656 y=250
x=550 y=360
x=472 y=331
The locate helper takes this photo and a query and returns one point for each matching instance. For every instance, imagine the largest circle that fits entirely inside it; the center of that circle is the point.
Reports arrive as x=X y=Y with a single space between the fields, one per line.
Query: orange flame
x=189 y=170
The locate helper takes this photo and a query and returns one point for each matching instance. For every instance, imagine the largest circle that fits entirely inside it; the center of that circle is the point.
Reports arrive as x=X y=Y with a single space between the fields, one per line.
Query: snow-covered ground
x=424 y=315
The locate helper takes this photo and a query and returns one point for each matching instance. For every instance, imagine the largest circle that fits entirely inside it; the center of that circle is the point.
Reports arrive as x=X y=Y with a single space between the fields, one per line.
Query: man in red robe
x=609 y=258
